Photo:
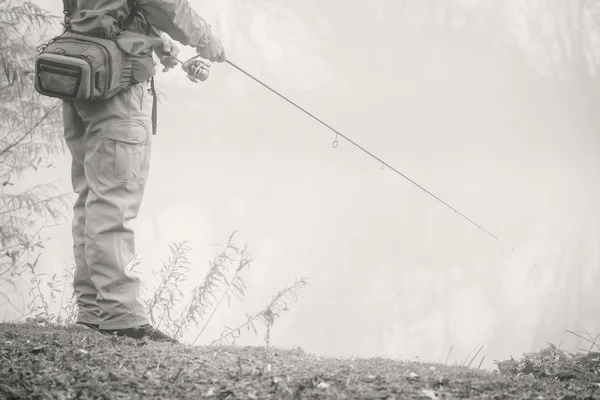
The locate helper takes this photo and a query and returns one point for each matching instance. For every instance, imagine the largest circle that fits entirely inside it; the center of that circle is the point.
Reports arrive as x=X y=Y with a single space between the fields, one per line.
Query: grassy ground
x=55 y=362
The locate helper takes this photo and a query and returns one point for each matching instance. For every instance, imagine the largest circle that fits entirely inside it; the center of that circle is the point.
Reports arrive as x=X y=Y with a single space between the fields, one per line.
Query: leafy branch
x=269 y=314
x=48 y=112
x=203 y=294
x=37 y=282
x=172 y=274
x=27 y=12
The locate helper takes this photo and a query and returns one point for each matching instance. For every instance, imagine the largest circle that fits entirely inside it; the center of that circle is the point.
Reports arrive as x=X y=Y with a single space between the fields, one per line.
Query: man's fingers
x=174 y=50
x=166 y=45
x=168 y=62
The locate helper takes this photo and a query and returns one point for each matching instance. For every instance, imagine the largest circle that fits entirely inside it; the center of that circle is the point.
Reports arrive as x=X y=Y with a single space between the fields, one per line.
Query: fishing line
x=370 y=154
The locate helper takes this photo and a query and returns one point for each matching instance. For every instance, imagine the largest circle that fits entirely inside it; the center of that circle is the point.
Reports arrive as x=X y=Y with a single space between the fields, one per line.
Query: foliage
x=557 y=364
x=564 y=35
x=266 y=316
x=203 y=294
x=30 y=136
x=167 y=295
x=48 y=301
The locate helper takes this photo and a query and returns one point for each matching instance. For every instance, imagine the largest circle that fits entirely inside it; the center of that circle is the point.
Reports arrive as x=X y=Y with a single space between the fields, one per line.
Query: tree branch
x=244 y=262
x=29 y=131
x=35 y=203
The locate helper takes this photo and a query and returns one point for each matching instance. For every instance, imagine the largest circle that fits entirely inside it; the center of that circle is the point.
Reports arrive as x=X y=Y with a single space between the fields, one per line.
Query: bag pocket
x=63 y=76
x=125 y=149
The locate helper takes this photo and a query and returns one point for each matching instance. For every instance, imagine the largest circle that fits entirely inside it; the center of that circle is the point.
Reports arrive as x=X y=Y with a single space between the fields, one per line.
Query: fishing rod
x=199 y=70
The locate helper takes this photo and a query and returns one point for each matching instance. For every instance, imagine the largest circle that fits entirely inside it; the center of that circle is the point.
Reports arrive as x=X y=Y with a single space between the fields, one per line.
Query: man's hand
x=167 y=52
x=213 y=51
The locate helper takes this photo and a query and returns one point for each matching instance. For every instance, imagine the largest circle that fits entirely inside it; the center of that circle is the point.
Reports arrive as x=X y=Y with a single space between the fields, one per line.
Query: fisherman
x=109 y=141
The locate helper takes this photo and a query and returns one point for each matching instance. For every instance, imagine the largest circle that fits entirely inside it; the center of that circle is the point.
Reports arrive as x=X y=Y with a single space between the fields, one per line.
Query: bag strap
x=154 y=105
x=67 y=7
x=129 y=19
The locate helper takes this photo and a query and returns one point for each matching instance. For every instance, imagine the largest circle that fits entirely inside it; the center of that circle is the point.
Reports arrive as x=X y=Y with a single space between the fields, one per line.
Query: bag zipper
x=57 y=70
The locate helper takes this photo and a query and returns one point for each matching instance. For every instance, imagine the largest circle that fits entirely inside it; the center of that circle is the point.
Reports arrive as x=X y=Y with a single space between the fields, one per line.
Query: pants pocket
x=124 y=147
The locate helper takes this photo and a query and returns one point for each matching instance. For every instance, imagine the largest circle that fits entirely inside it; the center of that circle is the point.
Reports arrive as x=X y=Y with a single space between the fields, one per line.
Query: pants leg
x=84 y=289
x=117 y=158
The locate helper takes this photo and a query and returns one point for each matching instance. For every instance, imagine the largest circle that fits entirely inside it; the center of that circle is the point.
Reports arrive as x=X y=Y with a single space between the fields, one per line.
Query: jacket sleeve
x=178 y=19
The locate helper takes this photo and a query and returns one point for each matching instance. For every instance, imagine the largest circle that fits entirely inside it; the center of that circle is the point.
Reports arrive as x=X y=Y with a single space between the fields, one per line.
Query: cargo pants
x=109 y=142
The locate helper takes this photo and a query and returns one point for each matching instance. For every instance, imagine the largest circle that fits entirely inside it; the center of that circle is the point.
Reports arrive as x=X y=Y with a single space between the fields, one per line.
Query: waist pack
x=82 y=67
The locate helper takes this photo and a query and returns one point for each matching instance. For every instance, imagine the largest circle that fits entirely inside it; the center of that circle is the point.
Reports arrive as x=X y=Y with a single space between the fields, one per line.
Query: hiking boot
x=95 y=327
x=141 y=332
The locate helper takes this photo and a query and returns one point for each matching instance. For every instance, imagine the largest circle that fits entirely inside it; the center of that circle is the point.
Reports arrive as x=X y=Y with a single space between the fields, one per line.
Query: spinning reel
x=196 y=69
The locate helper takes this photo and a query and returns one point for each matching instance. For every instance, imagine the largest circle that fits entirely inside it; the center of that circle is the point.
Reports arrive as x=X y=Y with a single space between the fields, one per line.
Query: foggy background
x=491 y=105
